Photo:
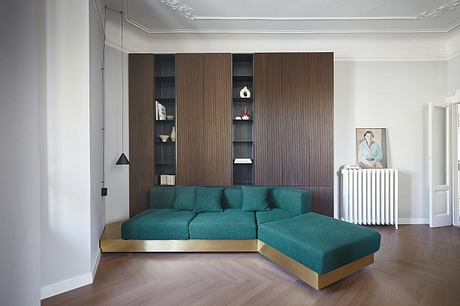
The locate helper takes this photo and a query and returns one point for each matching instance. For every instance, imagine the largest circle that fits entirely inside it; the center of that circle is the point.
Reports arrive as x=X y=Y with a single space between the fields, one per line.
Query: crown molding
x=188 y=12
x=449 y=6
x=182 y=9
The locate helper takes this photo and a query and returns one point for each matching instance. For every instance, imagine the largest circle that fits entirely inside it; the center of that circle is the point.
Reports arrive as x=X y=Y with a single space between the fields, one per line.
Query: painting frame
x=371 y=148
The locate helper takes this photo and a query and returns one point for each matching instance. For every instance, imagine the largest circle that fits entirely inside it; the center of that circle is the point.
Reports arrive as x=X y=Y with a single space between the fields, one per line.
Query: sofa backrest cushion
x=185 y=197
x=255 y=198
x=291 y=199
x=208 y=199
x=232 y=197
x=162 y=196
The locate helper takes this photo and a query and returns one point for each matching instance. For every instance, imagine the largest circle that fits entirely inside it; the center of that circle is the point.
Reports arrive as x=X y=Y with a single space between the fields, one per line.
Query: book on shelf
x=166 y=179
x=160 y=111
x=242 y=161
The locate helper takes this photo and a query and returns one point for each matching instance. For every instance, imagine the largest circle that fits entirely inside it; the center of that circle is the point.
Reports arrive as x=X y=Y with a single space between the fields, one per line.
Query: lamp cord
x=122 y=79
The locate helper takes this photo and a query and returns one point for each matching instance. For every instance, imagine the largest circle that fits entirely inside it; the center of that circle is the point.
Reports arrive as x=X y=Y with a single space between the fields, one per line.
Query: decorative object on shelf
x=245 y=93
x=242 y=161
x=166 y=179
x=173 y=134
x=170 y=117
x=164 y=138
x=160 y=111
x=371 y=148
x=122 y=160
x=245 y=114
x=238 y=118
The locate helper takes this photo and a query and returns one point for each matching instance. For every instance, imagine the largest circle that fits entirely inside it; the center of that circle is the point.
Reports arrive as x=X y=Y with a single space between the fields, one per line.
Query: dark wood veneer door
x=217 y=73
x=269 y=121
x=190 y=123
x=294 y=106
x=296 y=127
x=141 y=131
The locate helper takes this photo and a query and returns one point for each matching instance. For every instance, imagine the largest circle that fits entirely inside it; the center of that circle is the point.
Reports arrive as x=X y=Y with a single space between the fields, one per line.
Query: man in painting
x=369 y=152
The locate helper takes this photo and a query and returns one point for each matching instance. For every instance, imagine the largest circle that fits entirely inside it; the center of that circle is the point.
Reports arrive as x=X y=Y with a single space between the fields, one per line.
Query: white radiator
x=370 y=196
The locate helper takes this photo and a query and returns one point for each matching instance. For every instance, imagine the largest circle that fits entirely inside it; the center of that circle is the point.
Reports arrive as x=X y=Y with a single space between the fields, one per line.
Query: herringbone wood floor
x=415 y=266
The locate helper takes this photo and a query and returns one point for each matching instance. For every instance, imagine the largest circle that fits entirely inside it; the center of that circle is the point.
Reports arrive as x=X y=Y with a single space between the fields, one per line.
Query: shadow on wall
x=405 y=192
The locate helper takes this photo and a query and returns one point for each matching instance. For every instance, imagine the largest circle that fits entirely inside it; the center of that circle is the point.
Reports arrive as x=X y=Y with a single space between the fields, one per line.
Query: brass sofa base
x=111 y=241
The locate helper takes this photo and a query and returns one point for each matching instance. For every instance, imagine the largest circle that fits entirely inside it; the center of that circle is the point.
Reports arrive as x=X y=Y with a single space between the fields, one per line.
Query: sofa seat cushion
x=158 y=224
x=229 y=224
x=273 y=215
x=318 y=242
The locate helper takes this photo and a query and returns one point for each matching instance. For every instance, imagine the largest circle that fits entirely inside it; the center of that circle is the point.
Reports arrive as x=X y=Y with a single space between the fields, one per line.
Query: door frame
x=447 y=151
x=454 y=101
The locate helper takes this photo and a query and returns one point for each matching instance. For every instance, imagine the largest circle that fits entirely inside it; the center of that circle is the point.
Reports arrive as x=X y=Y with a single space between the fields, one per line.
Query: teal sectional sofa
x=276 y=222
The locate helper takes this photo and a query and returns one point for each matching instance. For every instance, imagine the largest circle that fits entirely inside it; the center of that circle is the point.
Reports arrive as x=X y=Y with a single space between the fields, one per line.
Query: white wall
x=392 y=75
x=393 y=95
x=117 y=177
x=96 y=47
x=19 y=155
x=66 y=207
x=453 y=75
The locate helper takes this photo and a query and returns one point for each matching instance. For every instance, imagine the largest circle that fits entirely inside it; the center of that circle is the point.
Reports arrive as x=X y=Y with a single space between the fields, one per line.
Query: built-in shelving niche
x=242 y=130
x=165 y=93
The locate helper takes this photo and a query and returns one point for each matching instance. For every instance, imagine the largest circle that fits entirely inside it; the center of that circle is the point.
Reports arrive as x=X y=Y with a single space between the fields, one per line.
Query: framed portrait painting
x=371 y=148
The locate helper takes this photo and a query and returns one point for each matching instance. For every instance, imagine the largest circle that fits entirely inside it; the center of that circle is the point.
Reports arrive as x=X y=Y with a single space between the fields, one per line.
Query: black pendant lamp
x=122 y=160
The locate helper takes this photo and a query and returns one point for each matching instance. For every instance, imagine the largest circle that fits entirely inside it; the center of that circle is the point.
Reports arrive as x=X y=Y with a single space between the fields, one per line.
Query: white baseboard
x=72 y=283
x=66 y=285
x=96 y=263
x=413 y=221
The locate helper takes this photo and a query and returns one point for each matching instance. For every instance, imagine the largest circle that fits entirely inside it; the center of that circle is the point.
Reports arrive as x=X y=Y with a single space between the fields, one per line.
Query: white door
x=439 y=150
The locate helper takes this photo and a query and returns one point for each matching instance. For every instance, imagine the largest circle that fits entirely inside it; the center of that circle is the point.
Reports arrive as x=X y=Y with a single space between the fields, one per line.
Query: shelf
x=242 y=78
x=166 y=77
x=165 y=99
x=243 y=120
x=242 y=100
x=169 y=121
x=164 y=164
x=244 y=183
x=164 y=142
x=243 y=141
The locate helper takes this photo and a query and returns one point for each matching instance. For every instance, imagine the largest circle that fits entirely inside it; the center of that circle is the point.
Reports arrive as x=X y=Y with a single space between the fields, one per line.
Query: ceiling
x=293 y=16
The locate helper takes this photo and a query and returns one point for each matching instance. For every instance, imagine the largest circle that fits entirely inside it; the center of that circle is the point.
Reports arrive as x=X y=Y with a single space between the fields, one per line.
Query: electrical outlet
x=104 y=191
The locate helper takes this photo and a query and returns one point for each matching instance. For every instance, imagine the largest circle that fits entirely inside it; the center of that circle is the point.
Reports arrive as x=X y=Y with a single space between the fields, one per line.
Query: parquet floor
x=415 y=266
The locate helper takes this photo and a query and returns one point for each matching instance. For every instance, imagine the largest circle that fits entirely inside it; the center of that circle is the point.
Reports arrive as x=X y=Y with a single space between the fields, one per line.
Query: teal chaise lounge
x=275 y=221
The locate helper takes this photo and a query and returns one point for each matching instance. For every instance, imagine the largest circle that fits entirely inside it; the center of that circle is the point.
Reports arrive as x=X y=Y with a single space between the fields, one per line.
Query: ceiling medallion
x=182 y=9
x=442 y=9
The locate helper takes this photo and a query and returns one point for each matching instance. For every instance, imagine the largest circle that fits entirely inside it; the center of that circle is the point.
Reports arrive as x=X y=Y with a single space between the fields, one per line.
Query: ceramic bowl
x=164 y=138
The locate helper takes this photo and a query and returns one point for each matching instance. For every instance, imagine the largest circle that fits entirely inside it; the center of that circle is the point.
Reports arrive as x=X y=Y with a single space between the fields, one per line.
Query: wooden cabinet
x=203 y=119
x=290 y=138
x=141 y=131
x=294 y=131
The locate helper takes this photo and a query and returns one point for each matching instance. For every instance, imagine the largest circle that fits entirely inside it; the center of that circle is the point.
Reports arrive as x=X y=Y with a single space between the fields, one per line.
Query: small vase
x=245 y=93
x=173 y=134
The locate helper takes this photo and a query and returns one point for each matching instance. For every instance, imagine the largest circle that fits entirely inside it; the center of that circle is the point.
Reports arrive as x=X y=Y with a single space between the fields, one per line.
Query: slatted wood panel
x=203 y=83
x=216 y=110
x=294 y=108
x=141 y=131
x=190 y=124
x=269 y=123
x=321 y=118
x=415 y=266
x=294 y=130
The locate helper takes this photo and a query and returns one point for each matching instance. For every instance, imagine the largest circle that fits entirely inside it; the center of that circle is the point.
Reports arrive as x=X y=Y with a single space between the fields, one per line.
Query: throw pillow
x=185 y=198
x=255 y=199
x=208 y=199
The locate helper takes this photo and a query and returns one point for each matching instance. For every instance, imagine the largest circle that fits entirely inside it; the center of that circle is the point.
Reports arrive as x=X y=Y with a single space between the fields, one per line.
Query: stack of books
x=167 y=179
x=160 y=111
